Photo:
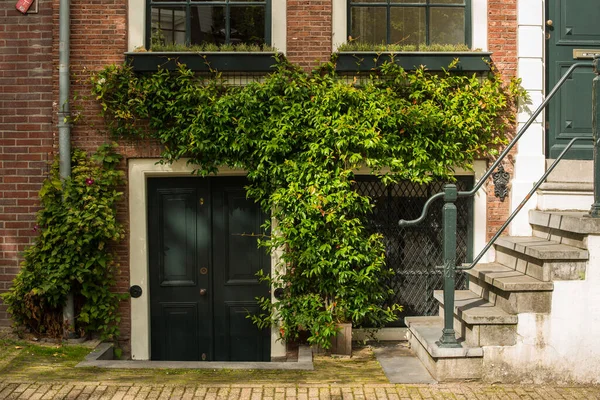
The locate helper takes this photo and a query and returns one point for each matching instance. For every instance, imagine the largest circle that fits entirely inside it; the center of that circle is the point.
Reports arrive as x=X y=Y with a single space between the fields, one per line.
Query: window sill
x=359 y=61
x=222 y=61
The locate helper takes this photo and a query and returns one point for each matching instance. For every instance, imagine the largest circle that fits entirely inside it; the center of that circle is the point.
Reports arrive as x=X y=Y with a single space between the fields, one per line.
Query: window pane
x=447 y=25
x=462 y=2
x=408 y=1
x=208 y=24
x=368 y=24
x=247 y=24
x=407 y=25
x=168 y=25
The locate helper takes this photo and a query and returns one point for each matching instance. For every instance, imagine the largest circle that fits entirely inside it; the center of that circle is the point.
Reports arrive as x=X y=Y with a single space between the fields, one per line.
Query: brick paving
x=111 y=391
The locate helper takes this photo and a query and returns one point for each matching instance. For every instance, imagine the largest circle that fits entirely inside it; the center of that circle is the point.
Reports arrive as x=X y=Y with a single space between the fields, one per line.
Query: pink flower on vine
x=36 y=228
x=89 y=181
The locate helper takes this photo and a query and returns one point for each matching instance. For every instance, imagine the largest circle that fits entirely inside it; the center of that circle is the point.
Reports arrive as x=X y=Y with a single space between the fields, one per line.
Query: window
x=409 y=22
x=187 y=22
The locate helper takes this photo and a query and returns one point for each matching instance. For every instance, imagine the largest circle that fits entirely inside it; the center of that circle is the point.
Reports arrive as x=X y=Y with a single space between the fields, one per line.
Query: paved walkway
x=110 y=391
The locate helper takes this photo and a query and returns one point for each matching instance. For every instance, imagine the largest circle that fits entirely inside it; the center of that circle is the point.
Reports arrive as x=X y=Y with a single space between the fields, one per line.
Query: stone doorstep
x=508 y=279
x=569 y=221
x=473 y=310
x=102 y=357
x=541 y=249
x=444 y=364
x=577 y=187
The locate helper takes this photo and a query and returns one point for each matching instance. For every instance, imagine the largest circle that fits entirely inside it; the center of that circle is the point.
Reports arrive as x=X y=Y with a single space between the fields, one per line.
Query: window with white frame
x=187 y=22
x=410 y=22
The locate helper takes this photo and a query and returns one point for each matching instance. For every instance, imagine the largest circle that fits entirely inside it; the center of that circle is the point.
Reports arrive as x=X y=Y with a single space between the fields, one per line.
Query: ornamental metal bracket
x=501 y=179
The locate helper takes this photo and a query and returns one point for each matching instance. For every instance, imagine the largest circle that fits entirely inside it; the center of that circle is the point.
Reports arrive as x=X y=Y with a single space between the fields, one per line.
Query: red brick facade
x=309 y=28
x=29 y=81
x=26 y=129
x=502 y=42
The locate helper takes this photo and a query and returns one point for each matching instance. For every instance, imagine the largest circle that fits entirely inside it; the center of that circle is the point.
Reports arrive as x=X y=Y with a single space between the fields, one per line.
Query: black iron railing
x=451 y=194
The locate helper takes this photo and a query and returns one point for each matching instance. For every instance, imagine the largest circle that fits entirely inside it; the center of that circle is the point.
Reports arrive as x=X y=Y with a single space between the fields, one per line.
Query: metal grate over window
x=415 y=252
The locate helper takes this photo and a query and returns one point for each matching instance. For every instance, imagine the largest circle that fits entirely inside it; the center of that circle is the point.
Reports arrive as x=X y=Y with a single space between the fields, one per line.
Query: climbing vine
x=75 y=227
x=301 y=137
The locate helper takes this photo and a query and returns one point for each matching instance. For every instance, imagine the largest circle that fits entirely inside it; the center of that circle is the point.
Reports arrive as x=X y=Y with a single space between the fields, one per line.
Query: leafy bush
x=301 y=137
x=76 y=225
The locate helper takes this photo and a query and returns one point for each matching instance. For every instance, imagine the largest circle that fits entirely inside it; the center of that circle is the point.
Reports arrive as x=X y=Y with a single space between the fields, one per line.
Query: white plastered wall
x=560 y=347
x=139 y=171
x=137 y=19
x=530 y=159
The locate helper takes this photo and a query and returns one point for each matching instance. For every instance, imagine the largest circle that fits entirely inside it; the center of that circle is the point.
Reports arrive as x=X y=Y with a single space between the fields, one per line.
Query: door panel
x=177 y=223
x=179 y=331
x=241 y=345
x=203 y=260
x=236 y=261
x=574 y=26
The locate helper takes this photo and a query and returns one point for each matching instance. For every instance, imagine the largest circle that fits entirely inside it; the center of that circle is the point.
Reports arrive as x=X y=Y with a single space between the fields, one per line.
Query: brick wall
x=26 y=129
x=502 y=41
x=309 y=31
x=29 y=80
x=99 y=38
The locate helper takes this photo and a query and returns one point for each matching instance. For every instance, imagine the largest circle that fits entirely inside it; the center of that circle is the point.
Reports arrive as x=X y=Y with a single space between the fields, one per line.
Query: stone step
x=579 y=171
x=541 y=259
x=512 y=291
x=569 y=186
x=473 y=310
x=508 y=279
x=479 y=322
x=444 y=364
x=566 y=227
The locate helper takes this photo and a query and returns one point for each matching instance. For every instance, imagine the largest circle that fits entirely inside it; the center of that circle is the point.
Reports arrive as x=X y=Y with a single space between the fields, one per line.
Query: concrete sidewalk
x=111 y=391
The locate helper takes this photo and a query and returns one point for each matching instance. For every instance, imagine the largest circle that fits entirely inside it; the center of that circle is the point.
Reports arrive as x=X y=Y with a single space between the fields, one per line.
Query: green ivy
x=301 y=137
x=76 y=225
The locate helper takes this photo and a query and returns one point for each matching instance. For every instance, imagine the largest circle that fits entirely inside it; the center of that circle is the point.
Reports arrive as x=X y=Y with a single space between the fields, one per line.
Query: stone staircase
x=521 y=280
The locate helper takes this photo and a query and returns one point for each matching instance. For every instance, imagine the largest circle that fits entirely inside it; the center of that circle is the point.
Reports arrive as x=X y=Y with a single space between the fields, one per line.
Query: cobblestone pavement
x=109 y=391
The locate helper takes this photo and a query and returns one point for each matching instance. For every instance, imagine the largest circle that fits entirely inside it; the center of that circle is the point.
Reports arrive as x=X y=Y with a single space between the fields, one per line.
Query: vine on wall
x=301 y=136
x=76 y=226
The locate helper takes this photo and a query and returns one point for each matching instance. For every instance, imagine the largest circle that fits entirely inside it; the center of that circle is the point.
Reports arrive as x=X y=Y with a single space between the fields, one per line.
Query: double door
x=203 y=260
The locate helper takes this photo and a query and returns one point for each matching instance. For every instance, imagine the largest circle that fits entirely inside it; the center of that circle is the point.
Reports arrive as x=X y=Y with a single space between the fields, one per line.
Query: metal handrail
x=536 y=113
x=450 y=195
x=522 y=203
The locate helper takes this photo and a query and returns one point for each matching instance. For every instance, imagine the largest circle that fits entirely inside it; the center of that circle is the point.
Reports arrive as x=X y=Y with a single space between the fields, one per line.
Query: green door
x=203 y=263
x=571 y=25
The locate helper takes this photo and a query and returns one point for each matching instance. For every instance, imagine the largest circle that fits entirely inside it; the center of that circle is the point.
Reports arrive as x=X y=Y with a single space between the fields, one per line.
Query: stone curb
x=102 y=357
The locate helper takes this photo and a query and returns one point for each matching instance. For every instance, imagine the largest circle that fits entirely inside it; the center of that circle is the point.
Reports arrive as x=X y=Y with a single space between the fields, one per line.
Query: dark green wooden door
x=574 y=26
x=203 y=263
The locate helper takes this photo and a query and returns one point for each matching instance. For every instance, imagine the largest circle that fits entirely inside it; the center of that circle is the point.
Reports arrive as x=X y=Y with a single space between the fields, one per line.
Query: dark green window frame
x=388 y=5
x=188 y=4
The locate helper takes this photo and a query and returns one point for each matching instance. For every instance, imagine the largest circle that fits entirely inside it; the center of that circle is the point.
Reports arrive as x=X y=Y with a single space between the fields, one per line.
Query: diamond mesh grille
x=414 y=252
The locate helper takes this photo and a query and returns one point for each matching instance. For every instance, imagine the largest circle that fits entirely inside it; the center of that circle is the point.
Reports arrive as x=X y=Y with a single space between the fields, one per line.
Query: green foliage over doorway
x=301 y=137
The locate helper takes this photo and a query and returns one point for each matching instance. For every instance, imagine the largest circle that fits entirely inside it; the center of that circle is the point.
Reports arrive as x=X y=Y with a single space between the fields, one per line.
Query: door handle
x=202 y=292
x=549 y=22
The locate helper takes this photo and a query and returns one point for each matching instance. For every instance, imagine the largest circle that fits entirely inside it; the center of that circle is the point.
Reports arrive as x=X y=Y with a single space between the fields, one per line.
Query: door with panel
x=203 y=260
x=572 y=35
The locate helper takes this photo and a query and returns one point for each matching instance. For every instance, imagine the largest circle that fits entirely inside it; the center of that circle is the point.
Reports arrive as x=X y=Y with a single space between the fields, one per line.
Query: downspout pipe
x=64 y=127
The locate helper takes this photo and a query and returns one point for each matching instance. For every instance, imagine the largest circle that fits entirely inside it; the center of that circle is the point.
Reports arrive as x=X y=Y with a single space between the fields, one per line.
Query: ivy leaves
x=301 y=137
x=76 y=224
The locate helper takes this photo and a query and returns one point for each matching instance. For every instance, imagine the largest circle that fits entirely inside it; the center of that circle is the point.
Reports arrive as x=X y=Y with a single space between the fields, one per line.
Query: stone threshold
x=103 y=357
